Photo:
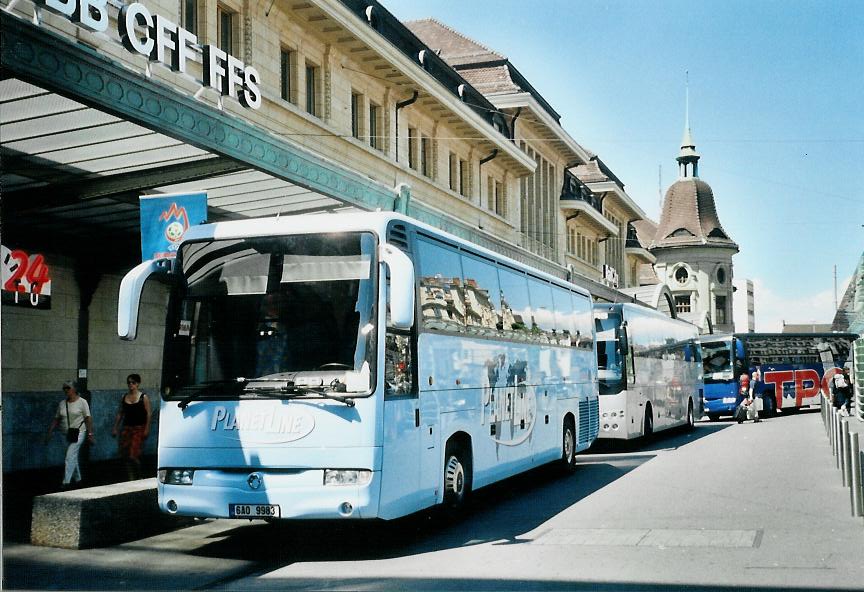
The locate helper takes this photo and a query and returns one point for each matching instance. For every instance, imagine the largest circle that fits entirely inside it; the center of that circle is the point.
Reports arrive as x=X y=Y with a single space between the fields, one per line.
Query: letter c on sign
x=130 y=16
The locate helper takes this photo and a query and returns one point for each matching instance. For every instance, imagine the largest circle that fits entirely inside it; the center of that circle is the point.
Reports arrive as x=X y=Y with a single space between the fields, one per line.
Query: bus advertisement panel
x=794 y=367
x=359 y=366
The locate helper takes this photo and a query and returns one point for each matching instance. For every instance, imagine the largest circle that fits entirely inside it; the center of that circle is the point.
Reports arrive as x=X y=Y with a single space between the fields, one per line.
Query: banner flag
x=165 y=219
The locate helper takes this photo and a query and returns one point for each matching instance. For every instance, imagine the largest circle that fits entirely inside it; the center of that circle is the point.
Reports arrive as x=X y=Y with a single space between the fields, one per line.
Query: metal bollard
x=857 y=491
x=834 y=437
x=845 y=460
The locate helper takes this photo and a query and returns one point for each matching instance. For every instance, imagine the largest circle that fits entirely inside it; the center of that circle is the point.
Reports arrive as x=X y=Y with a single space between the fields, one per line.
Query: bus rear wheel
x=568 y=446
x=691 y=419
x=457 y=478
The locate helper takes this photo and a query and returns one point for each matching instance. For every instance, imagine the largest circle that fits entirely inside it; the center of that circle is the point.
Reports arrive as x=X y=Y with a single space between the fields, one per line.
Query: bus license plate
x=253 y=511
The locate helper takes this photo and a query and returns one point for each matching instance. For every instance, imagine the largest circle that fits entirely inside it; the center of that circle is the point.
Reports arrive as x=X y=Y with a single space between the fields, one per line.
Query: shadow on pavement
x=500 y=513
x=666 y=440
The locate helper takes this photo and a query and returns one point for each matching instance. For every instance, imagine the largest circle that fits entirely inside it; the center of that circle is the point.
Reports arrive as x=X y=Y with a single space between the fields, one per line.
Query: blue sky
x=776 y=92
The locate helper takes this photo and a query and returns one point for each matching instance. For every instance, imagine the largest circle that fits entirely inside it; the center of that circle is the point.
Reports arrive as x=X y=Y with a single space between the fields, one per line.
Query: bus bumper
x=295 y=494
x=724 y=406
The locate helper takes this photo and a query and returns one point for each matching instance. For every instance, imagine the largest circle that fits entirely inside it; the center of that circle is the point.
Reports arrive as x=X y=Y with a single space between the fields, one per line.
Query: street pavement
x=749 y=506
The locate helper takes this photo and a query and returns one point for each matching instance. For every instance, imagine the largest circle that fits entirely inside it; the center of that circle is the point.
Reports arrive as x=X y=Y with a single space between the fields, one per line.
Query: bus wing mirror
x=129 y=298
x=401 y=296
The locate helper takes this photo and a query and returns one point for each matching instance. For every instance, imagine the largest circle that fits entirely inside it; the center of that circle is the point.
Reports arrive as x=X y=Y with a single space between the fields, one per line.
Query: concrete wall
x=40 y=351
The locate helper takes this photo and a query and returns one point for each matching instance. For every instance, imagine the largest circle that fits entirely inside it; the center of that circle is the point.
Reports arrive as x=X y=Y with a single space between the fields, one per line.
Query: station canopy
x=72 y=175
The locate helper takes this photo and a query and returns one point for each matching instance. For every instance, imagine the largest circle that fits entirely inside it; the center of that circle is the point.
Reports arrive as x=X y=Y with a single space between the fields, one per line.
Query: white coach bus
x=650 y=371
x=359 y=366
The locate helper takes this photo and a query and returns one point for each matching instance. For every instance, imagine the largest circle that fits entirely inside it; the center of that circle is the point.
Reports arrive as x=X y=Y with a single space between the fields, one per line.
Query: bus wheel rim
x=454 y=480
x=568 y=444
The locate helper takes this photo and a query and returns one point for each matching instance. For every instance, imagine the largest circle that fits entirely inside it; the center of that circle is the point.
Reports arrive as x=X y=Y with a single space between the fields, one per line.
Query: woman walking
x=134 y=417
x=73 y=417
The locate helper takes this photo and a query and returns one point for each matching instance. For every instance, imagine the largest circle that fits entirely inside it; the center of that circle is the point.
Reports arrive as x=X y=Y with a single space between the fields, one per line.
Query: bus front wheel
x=457 y=478
x=568 y=446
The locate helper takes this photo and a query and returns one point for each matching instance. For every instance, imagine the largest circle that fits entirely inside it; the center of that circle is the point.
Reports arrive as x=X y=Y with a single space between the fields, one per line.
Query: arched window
x=681 y=275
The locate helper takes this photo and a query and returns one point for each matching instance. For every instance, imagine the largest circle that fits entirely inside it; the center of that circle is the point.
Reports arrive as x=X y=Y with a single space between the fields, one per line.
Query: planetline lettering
x=269 y=421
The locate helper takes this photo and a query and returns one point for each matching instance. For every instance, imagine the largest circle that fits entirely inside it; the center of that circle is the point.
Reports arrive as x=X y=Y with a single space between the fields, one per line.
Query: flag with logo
x=165 y=220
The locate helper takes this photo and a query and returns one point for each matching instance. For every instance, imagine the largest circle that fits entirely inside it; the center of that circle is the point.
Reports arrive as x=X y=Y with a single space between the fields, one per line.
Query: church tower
x=694 y=253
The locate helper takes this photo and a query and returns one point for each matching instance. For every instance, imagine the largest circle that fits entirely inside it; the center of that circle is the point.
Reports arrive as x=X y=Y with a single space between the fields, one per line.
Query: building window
x=286 y=75
x=356 y=110
x=721 y=276
x=464 y=178
x=312 y=82
x=681 y=275
x=720 y=310
x=497 y=201
x=539 y=194
x=454 y=172
x=412 y=148
x=682 y=303
x=426 y=157
x=189 y=16
x=375 y=140
x=225 y=23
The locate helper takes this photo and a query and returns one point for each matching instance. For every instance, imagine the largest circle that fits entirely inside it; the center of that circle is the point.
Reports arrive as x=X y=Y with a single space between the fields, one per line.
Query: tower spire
x=688 y=158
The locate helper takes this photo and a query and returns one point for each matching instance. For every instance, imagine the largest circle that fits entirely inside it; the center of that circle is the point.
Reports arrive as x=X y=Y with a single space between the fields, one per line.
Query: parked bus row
x=370 y=366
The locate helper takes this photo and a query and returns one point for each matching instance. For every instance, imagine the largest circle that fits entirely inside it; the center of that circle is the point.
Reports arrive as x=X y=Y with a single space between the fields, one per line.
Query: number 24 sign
x=26 y=279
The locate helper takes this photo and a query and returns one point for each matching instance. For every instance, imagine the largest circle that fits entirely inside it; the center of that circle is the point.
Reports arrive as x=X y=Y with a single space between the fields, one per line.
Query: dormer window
x=721 y=276
x=681 y=275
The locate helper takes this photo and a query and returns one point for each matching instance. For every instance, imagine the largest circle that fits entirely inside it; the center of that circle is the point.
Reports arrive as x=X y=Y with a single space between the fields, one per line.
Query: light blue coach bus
x=359 y=366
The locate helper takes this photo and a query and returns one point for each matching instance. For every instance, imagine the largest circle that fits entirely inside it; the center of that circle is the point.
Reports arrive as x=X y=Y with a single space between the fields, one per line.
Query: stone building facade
x=332 y=105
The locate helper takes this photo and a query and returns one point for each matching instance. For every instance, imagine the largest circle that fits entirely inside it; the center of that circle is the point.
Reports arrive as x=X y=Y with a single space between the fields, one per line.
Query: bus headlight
x=347 y=477
x=176 y=476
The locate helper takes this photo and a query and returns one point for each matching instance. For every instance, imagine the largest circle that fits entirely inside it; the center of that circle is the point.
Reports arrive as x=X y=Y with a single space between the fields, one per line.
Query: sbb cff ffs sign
x=222 y=71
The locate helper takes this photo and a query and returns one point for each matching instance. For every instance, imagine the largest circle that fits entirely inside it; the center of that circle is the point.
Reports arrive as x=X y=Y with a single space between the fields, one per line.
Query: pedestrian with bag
x=133 y=416
x=73 y=417
x=841 y=384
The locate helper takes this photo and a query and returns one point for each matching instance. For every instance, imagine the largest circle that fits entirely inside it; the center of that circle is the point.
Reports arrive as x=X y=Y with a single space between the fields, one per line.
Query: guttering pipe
x=399 y=106
x=513 y=124
x=488 y=158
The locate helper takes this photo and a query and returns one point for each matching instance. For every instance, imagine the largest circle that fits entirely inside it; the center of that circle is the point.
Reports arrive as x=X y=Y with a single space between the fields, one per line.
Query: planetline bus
x=359 y=366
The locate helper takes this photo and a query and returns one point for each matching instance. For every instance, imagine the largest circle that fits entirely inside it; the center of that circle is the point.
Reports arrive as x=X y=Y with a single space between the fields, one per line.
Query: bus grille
x=589 y=422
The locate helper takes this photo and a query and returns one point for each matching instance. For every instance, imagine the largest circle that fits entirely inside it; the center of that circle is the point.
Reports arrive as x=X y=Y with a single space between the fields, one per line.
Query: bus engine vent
x=397 y=236
x=589 y=421
x=584 y=422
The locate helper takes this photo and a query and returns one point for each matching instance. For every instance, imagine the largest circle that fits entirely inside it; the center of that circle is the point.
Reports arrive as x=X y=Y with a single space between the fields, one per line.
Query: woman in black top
x=134 y=416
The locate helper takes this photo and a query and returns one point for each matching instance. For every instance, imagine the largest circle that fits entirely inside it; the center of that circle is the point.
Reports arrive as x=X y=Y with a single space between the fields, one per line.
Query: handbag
x=71 y=433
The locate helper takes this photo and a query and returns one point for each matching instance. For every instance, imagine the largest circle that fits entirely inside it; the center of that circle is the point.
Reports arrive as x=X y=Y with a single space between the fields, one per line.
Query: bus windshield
x=609 y=357
x=284 y=308
x=717 y=361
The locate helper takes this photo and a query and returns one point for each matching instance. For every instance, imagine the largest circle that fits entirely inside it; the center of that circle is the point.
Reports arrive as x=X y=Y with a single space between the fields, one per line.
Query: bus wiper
x=184 y=402
x=326 y=392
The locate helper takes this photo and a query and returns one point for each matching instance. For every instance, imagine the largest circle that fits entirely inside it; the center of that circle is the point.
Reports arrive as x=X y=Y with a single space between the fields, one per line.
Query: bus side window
x=583 y=318
x=482 y=296
x=441 y=292
x=628 y=354
x=515 y=306
x=542 y=312
x=398 y=367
